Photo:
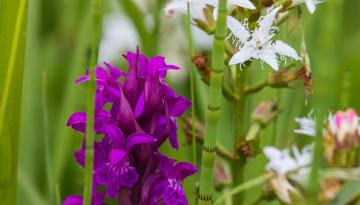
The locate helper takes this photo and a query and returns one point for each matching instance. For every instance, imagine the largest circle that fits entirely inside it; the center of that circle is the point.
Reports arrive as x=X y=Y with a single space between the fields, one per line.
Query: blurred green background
x=57 y=50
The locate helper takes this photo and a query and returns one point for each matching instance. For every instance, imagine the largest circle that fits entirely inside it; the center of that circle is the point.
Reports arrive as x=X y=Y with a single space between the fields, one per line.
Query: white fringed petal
x=285 y=50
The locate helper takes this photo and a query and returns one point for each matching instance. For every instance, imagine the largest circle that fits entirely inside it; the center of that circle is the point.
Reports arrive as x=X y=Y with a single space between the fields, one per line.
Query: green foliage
x=12 y=41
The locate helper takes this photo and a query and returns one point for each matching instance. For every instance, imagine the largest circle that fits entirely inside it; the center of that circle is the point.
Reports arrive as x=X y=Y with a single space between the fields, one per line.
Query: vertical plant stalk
x=47 y=153
x=238 y=166
x=89 y=154
x=213 y=109
x=192 y=79
x=9 y=132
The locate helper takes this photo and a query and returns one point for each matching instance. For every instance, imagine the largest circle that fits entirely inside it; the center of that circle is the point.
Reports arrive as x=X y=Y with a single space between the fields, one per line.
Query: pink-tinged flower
x=341 y=135
x=343 y=124
x=165 y=186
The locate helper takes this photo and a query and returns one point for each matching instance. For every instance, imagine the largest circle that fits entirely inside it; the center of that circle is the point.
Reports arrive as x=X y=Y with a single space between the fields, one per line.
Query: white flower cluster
x=282 y=162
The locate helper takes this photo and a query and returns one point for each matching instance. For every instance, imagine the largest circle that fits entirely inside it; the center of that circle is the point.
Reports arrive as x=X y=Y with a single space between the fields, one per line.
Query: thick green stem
x=240 y=131
x=192 y=79
x=213 y=109
x=89 y=154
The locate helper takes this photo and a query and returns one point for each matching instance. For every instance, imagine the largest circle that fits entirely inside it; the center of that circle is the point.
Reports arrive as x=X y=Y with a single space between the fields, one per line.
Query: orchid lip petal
x=138 y=138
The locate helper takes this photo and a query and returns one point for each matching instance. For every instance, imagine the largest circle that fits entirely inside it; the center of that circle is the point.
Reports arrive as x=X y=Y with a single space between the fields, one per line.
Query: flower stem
x=249 y=184
x=192 y=73
x=238 y=166
x=213 y=109
x=89 y=154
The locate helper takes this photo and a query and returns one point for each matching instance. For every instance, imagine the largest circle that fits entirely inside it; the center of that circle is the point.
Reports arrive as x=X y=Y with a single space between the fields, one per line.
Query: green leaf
x=12 y=41
x=349 y=192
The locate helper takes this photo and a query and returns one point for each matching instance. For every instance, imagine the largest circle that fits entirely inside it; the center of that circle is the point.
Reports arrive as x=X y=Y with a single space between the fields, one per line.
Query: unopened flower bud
x=341 y=136
x=265 y=112
x=202 y=64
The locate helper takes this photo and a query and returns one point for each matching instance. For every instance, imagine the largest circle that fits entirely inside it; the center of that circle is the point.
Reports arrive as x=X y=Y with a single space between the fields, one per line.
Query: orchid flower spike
x=197 y=7
x=258 y=44
x=310 y=4
x=307 y=125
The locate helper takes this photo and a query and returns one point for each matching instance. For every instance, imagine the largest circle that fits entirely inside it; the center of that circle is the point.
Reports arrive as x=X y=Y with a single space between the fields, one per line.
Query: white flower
x=180 y=6
x=310 y=4
x=197 y=7
x=258 y=44
x=283 y=188
x=285 y=166
x=307 y=125
x=281 y=162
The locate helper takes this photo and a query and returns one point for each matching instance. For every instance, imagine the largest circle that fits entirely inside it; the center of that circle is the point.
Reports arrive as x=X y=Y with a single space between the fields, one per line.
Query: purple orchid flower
x=136 y=114
x=107 y=83
x=118 y=172
x=165 y=186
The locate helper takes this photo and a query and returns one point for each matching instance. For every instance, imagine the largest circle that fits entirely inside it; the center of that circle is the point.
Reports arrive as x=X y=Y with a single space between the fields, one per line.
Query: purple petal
x=140 y=105
x=73 y=200
x=80 y=155
x=129 y=178
x=101 y=175
x=138 y=138
x=115 y=73
x=101 y=74
x=114 y=133
x=117 y=155
x=77 y=121
x=183 y=170
x=146 y=190
x=83 y=78
x=178 y=105
x=173 y=134
x=165 y=164
x=174 y=194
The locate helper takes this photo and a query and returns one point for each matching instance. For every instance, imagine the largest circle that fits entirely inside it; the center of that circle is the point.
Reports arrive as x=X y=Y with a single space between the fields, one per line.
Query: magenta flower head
x=165 y=186
x=136 y=113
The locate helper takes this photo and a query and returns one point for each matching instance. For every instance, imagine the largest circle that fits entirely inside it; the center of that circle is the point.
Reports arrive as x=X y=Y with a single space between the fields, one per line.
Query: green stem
x=242 y=187
x=238 y=166
x=89 y=154
x=47 y=153
x=213 y=109
x=192 y=90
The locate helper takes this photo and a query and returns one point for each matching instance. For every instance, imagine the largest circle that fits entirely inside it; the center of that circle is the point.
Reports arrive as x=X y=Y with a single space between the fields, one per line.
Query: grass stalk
x=213 y=109
x=192 y=79
x=246 y=185
x=89 y=154
x=47 y=153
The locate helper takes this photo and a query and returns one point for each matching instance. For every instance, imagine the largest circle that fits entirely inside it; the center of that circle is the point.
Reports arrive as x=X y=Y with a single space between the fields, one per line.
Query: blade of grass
x=89 y=152
x=192 y=73
x=47 y=154
x=12 y=28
